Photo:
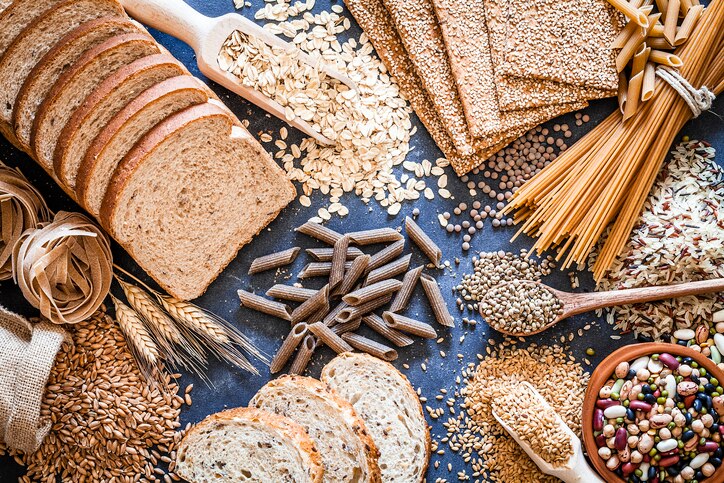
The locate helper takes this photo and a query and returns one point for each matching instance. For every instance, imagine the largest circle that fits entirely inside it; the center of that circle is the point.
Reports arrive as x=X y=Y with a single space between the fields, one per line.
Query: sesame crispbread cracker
x=561 y=40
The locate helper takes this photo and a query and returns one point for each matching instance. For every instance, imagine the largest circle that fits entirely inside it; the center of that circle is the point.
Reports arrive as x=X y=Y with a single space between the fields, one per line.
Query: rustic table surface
x=234 y=388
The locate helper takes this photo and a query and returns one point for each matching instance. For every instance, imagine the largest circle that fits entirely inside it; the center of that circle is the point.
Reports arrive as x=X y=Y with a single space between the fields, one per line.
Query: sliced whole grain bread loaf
x=192 y=192
x=18 y=14
x=127 y=128
x=348 y=453
x=75 y=85
x=58 y=60
x=389 y=406
x=248 y=445
x=112 y=95
x=28 y=48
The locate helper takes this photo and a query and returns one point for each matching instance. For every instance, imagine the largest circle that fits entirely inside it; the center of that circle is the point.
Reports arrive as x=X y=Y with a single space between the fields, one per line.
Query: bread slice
x=112 y=95
x=75 y=85
x=348 y=453
x=38 y=38
x=390 y=408
x=189 y=195
x=58 y=60
x=248 y=445
x=126 y=129
x=18 y=14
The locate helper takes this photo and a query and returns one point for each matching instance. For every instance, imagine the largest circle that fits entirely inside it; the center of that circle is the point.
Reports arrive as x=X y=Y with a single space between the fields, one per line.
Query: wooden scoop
x=577 y=303
x=207 y=35
x=577 y=470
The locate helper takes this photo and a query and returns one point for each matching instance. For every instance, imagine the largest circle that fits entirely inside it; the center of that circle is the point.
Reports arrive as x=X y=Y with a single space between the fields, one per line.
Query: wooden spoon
x=577 y=303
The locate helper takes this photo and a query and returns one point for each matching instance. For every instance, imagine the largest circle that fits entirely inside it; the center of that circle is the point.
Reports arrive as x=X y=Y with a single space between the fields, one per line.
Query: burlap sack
x=27 y=353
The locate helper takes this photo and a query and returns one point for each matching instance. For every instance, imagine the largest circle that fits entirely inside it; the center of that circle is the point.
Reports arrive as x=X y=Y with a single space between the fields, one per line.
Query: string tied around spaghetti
x=698 y=100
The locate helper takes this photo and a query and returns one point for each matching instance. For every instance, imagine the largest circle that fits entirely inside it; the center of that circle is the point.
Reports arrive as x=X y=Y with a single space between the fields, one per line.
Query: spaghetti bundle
x=606 y=176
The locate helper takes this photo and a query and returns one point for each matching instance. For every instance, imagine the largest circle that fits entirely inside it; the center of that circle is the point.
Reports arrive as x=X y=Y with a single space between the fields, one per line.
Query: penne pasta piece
x=662 y=6
x=629 y=49
x=290 y=344
x=684 y=7
x=408 y=287
x=659 y=43
x=665 y=58
x=331 y=318
x=687 y=26
x=633 y=95
x=374 y=236
x=375 y=322
x=671 y=20
x=409 y=326
x=352 y=276
x=320 y=232
x=274 y=260
x=320 y=314
x=370 y=347
x=289 y=292
x=632 y=13
x=372 y=292
x=656 y=31
x=304 y=354
x=386 y=255
x=319 y=269
x=329 y=338
x=640 y=58
x=628 y=31
x=339 y=257
x=390 y=270
x=325 y=254
x=340 y=329
x=423 y=241
x=349 y=314
x=266 y=306
x=437 y=302
x=315 y=303
x=622 y=90
x=649 y=82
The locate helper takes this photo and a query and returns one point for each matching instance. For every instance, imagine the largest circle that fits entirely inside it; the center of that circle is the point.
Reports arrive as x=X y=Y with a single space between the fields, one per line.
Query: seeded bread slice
x=248 y=445
x=189 y=195
x=18 y=14
x=348 y=453
x=390 y=408
x=58 y=60
x=126 y=129
x=75 y=85
x=112 y=95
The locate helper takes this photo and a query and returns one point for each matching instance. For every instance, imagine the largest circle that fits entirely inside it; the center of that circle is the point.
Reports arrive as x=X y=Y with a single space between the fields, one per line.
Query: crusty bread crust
x=341 y=407
x=363 y=359
x=285 y=426
x=145 y=101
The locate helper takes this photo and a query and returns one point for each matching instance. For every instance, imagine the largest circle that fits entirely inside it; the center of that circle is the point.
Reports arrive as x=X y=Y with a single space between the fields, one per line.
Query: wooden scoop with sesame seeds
x=576 y=470
x=578 y=303
x=207 y=37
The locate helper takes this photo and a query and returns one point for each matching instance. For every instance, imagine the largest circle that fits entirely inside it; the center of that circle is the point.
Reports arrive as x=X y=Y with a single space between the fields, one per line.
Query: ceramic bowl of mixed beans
x=655 y=413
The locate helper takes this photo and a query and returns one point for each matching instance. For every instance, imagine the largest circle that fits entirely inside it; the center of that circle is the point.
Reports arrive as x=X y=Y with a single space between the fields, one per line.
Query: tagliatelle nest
x=64 y=268
x=21 y=208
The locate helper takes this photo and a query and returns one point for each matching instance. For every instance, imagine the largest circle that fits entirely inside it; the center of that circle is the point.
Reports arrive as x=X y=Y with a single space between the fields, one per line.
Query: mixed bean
x=705 y=338
x=657 y=420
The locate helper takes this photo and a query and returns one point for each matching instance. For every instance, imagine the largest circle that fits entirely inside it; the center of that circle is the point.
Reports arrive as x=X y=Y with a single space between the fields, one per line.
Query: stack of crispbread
x=481 y=73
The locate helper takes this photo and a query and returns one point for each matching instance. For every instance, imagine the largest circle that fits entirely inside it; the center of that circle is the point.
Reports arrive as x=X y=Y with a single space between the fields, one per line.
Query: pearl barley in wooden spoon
x=524 y=307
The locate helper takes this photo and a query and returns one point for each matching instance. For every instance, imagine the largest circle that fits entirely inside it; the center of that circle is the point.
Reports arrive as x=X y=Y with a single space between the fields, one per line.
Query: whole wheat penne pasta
x=375 y=322
x=320 y=314
x=352 y=326
x=320 y=232
x=331 y=318
x=349 y=314
x=684 y=7
x=290 y=292
x=687 y=26
x=633 y=95
x=326 y=336
x=390 y=270
x=665 y=58
x=386 y=255
x=311 y=305
x=629 y=30
x=409 y=326
x=325 y=254
x=631 y=12
x=649 y=82
x=352 y=276
x=640 y=3
x=662 y=6
x=423 y=241
x=371 y=292
x=339 y=257
x=622 y=91
x=659 y=43
x=408 y=287
x=374 y=236
x=319 y=269
x=656 y=31
x=639 y=59
x=274 y=260
x=304 y=355
x=370 y=346
x=437 y=302
x=629 y=49
x=266 y=306
x=290 y=344
x=671 y=20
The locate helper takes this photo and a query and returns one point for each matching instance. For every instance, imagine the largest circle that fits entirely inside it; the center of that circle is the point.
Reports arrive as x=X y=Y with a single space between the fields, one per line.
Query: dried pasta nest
x=21 y=208
x=64 y=268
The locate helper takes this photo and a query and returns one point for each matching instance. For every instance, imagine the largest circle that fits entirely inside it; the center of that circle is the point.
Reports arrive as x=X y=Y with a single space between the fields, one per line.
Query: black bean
x=715 y=461
x=687 y=435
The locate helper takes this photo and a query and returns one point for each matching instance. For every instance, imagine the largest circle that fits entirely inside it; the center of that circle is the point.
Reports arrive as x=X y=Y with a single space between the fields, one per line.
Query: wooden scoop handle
x=174 y=17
